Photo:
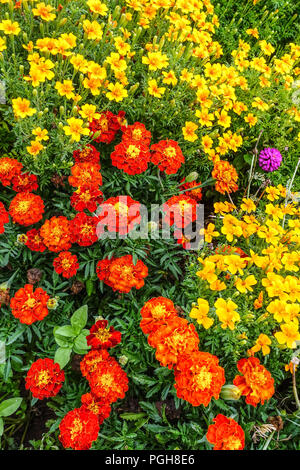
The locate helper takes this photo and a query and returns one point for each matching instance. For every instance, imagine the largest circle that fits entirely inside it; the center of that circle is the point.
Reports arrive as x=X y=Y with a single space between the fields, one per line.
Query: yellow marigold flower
x=2 y=45
x=226 y=312
x=223 y=207
x=210 y=233
x=97 y=7
x=93 y=84
x=266 y=48
x=272 y=193
x=169 y=78
x=10 y=27
x=189 y=131
x=79 y=63
x=253 y=32
x=93 y=30
x=21 y=108
x=258 y=303
x=207 y=143
x=65 y=89
x=248 y=205
x=117 y=92
x=35 y=147
x=223 y=118
x=200 y=313
x=260 y=104
x=244 y=285
x=208 y=272
x=88 y=111
x=217 y=285
x=154 y=89
x=155 y=60
x=250 y=119
x=122 y=46
x=205 y=118
x=288 y=335
x=235 y=263
x=44 y=11
x=75 y=129
x=186 y=76
x=292 y=366
x=262 y=343
x=116 y=62
x=41 y=134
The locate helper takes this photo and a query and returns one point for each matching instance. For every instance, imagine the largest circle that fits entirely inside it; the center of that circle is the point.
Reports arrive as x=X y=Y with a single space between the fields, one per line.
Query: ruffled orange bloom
x=97 y=406
x=86 y=197
x=256 y=383
x=109 y=382
x=226 y=434
x=194 y=193
x=26 y=208
x=198 y=378
x=106 y=126
x=155 y=313
x=25 y=182
x=83 y=229
x=226 y=177
x=131 y=156
x=56 y=234
x=78 y=429
x=172 y=340
x=180 y=210
x=66 y=264
x=103 y=337
x=34 y=241
x=9 y=168
x=87 y=154
x=85 y=173
x=119 y=214
x=4 y=217
x=121 y=274
x=90 y=363
x=135 y=133
x=167 y=155
x=29 y=306
x=44 y=378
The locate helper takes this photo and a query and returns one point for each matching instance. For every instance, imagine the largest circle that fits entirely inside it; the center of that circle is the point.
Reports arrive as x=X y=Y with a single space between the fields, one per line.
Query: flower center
x=170 y=152
x=132 y=151
x=43 y=378
x=203 y=378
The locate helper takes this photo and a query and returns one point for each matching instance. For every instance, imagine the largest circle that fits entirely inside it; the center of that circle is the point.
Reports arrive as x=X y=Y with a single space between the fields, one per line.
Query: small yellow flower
x=117 y=92
x=189 y=131
x=154 y=89
x=200 y=314
x=41 y=134
x=21 y=108
x=35 y=147
x=75 y=129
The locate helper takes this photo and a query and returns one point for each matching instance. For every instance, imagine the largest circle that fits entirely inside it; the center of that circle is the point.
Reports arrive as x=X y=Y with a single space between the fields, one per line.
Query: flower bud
x=61 y=110
x=191 y=177
x=123 y=360
x=133 y=89
x=63 y=21
x=230 y=392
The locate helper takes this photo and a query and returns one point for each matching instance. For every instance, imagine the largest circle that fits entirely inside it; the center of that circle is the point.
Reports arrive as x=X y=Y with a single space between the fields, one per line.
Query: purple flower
x=270 y=159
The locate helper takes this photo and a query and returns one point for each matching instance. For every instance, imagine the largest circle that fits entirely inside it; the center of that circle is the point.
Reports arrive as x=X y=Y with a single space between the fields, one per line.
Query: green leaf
x=66 y=330
x=89 y=285
x=8 y=407
x=132 y=416
x=80 y=342
x=62 y=356
x=79 y=318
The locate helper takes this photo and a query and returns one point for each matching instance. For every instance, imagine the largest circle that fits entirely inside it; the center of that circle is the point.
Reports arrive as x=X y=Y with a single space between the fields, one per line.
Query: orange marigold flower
x=34 y=240
x=180 y=210
x=256 y=383
x=107 y=126
x=131 y=156
x=102 y=337
x=109 y=382
x=122 y=275
x=194 y=193
x=25 y=182
x=226 y=177
x=4 y=217
x=98 y=406
x=56 y=234
x=120 y=214
x=87 y=154
x=172 y=340
x=85 y=173
x=91 y=361
x=198 y=378
x=167 y=155
x=78 y=429
x=44 y=378
x=66 y=264
x=86 y=197
x=226 y=434
x=155 y=313
x=83 y=229
x=136 y=133
x=29 y=306
x=26 y=208
x=9 y=168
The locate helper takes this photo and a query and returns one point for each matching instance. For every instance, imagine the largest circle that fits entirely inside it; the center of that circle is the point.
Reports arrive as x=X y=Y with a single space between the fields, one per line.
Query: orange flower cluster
x=85 y=174
x=106 y=126
x=136 y=133
x=9 y=168
x=4 y=217
x=56 y=234
x=29 y=306
x=79 y=428
x=102 y=337
x=66 y=264
x=198 y=376
x=119 y=214
x=44 y=378
x=121 y=274
x=226 y=177
x=26 y=208
x=25 y=182
x=88 y=154
x=83 y=229
x=34 y=240
x=86 y=197
x=256 y=382
x=193 y=193
x=167 y=155
x=180 y=210
x=226 y=434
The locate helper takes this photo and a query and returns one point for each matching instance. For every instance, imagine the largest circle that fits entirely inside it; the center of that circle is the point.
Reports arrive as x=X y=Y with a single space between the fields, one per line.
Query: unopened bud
x=191 y=177
x=123 y=360
x=63 y=21
x=230 y=392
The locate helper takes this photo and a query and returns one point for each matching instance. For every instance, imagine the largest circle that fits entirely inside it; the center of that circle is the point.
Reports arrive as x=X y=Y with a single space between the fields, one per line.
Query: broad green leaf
x=8 y=407
x=79 y=318
x=80 y=342
x=66 y=330
x=62 y=356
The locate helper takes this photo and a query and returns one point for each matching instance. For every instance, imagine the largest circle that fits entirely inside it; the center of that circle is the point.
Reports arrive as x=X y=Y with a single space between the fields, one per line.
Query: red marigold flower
x=122 y=275
x=9 y=168
x=56 y=234
x=29 y=306
x=109 y=381
x=79 y=428
x=26 y=208
x=107 y=126
x=226 y=177
x=85 y=174
x=87 y=154
x=172 y=340
x=96 y=405
x=167 y=155
x=155 y=313
x=130 y=156
x=181 y=210
x=256 y=383
x=103 y=271
x=226 y=434
x=4 y=217
x=194 y=193
x=34 y=240
x=182 y=240
x=83 y=229
x=66 y=264
x=44 y=378
x=198 y=378
x=86 y=197
x=25 y=182
x=91 y=361
x=119 y=214
x=136 y=133
x=101 y=337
